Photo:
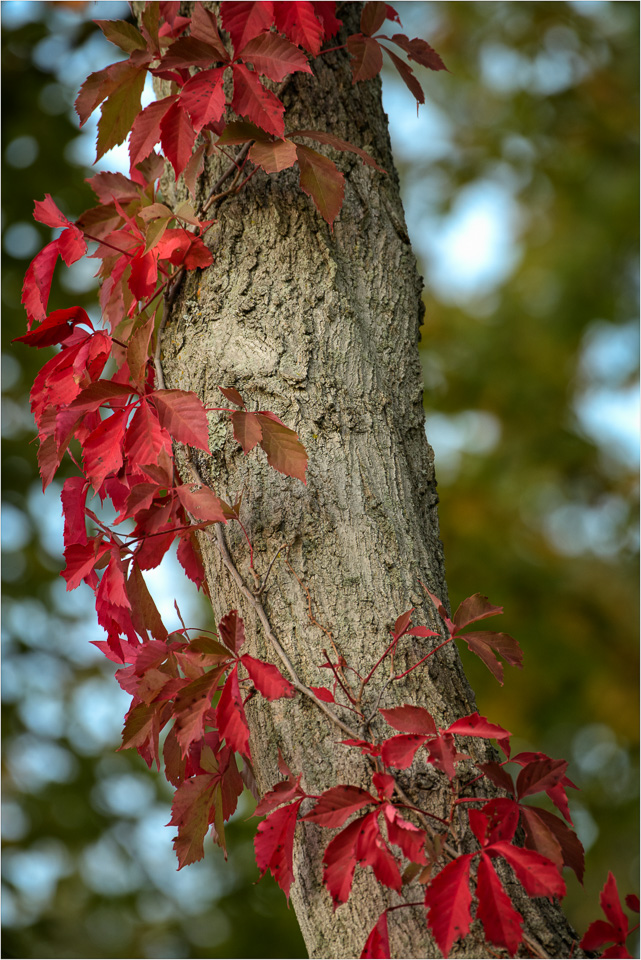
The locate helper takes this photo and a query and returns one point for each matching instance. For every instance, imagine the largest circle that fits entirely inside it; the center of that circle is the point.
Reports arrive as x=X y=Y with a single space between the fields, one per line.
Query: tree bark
x=322 y=328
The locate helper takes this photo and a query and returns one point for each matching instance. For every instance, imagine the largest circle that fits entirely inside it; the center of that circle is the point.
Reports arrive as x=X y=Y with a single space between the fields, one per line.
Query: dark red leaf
x=474 y=608
x=372 y=17
x=177 y=136
x=145 y=130
x=539 y=876
x=321 y=180
x=340 y=861
x=230 y=716
x=203 y=504
x=477 y=726
x=540 y=775
x=337 y=144
x=247 y=429
x=232 y=631
x=190 y=812
x=233 y=396
x=243 y=21
x=300 y=24
x=407 y=75
x=399 y=751
x=203 y=96
x=367 y=57
x=419 y=51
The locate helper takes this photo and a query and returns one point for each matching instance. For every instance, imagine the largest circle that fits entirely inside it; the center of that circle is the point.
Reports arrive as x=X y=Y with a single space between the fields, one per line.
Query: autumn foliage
x=101 y=400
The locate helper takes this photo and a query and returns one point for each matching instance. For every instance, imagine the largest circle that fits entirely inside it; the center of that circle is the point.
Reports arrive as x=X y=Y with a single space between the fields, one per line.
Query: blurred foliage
x=536 y=509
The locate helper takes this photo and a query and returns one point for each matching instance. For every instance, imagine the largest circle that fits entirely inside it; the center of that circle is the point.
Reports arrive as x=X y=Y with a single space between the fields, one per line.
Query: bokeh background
x=520 y=183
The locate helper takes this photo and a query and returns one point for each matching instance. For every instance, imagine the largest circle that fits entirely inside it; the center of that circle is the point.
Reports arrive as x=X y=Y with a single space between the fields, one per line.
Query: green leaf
x=123 y=34
x=120 y=110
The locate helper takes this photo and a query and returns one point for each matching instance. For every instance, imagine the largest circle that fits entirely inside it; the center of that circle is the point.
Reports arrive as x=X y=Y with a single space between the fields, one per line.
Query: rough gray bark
x=322 y=329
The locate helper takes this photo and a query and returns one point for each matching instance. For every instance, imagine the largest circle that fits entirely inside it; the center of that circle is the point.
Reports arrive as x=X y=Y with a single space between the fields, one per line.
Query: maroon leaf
x=321 y=180
x=407 y=75
x=204 y=27
x=232 y=631
x=540 y=775
x=367 y=57
x=474 y=608
x=273 y=156
x=233 y=396
x=190 y=812
x=372 y=17
x=419 y=51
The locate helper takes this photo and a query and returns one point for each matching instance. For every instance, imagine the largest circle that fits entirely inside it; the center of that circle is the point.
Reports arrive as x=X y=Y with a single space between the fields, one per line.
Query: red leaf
x=419 y=51
x=73 y=497
x=145 y=130
x=203 y=96
x=182 y=413
x=282 y=792
x=501 y=922
x=252 y=100
x=337 y=144
x=338 y=803
x=232 y=631
x=340 y=861
x=611 y=906
x=57 y=328
x=190 y=812
x=273 y=156
x=299 y=22
x=267 y=679
x=247 y=429
x=443 y=754
x=204 y=27
x=632 y=902
x=284 y=450
x=81 y=560
x=191 y=706
x=367 y=57
x=231 y=394
x=243 y=21
x=144 y=274
x=371 y=850
x=448 y=900
x=203 y=504
x=474 y=608
x=103 y=449
x=539 y=876
x=145 y=437
x=498 y=775
x=377 y=944
x=144 y=613
x=598 y=933
x=384 y=783
x=177 y=136
x=410 y=719
x=37 y=281
x=400 y=751
x=405 y=835
x=407 y=75
x=540 y=775
x=321 y=180
x=230 y=716
x=274 y=843
x=497 y=820
x=476 y=726
x=372 y=17
x=274 y=56
x=189 y=52
x=326 y=696
x=325 y=11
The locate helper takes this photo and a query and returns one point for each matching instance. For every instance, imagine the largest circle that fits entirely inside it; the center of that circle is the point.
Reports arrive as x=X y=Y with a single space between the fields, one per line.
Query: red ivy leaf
x=243 y=21
x=252 y=100
x=373 y=17
x=367 y=57
x=177 y=136
x=273 y=155
x=448 y=900
x=230 y=716
x=338 y=803
x=299 y=22
x=377 y=944
x=190 y=812
x=284 y=450
x=267 y=679
x=247 y=429
x=321 y=180
x=410 y=719
x=501 y=922
x=232 y=631
x=539 y=876
x=419 y=51
x=273 y=845
x=182 y=413
x=274 y=56
x=203 y=96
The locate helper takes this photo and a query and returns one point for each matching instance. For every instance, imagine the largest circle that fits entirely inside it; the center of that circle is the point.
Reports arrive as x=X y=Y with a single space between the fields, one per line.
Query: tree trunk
x=321 y=328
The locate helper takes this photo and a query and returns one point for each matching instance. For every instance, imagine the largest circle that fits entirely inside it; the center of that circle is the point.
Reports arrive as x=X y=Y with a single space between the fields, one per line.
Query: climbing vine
x=101 y=400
